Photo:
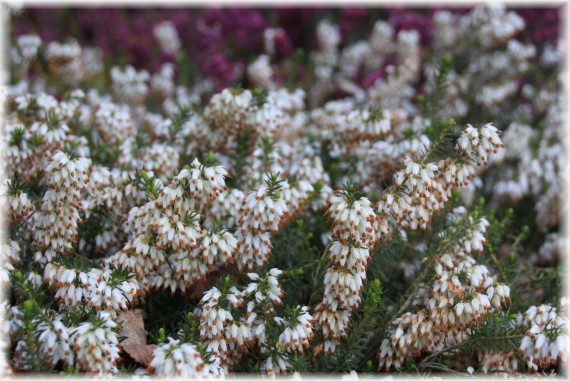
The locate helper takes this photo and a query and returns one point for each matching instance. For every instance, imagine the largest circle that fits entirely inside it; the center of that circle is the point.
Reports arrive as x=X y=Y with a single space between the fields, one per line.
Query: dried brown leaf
x=142 y=354
x=132 y=327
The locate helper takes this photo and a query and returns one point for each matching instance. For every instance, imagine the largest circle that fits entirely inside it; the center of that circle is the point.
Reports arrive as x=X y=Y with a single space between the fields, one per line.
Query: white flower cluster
x=262 y=212
x=56 y=227
x=175 y=359
x=462 y=294
x=129 y=85
x=477 y=144
x=99 y=289
x=298 y=332
x=546 y=339
x=422 y=190
x=162 y=82
x=230 y=331
x=224 y=335
x=55 y=342
x=354 y=233
x=170 y=223
x=95 y=344
x=48 y=133
x=25 y=51
x=114 y=123
x=20 y=205
x=551 y=251
x=65 y=60
x=494 y=24
x=10 y=256
x=151 y=224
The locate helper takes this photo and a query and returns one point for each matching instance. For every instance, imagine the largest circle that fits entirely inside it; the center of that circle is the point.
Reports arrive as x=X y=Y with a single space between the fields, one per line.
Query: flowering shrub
x=382 y=195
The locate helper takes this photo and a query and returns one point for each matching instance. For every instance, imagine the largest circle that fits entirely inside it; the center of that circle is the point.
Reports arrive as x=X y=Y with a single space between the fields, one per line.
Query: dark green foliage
x=184 y=114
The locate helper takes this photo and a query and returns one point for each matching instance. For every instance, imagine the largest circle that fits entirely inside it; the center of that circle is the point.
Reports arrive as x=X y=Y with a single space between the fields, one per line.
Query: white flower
x=167 y=36
x=260 y=73
x=28 y=45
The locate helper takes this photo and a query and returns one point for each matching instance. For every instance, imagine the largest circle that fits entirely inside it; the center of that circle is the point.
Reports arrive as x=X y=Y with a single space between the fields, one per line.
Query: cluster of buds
x=56 y=227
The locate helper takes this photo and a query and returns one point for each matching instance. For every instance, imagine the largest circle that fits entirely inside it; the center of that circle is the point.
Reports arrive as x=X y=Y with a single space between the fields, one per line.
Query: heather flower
x=95 y=345
x=175 y=359
x=55 y=342
x=167 y=36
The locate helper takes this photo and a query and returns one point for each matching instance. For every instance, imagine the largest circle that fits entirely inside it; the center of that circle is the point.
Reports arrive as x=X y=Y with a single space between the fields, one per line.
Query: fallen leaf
x=132 y=327
x=142 y=354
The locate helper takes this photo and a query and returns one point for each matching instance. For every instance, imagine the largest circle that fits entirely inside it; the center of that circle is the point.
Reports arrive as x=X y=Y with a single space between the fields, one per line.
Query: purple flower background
x=218 y=40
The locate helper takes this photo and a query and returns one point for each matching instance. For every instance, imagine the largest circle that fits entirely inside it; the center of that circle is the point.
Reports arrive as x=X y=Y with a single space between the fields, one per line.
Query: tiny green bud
x=19 y=276
x=211 y=158
x=376 y=284
x=28 y=307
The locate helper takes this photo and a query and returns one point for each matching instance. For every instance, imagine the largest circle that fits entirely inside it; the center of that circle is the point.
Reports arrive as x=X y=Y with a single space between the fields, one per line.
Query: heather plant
x=380 y=192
